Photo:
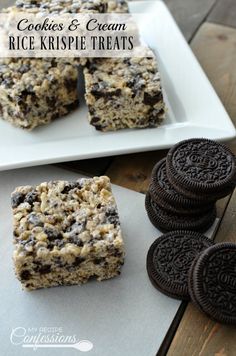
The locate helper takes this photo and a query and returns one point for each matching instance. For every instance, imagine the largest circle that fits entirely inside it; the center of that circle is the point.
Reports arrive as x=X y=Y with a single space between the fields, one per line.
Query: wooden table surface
x=210 y=28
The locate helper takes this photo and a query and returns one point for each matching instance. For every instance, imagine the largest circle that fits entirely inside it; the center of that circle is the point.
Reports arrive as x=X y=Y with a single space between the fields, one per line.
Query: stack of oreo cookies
x=187 y=265
x=187 y=183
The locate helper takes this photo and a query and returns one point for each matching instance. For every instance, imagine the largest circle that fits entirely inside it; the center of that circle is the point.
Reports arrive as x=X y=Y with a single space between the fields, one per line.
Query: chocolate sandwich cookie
x=212 y=282
x=164 y=194
x=169 y=259
x=201 y=169
x=166 y=221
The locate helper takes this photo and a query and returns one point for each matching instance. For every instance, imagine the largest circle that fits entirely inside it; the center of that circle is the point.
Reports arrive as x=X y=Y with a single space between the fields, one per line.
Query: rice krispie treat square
x=34 y=92
x=66 y=232
x=124 y=93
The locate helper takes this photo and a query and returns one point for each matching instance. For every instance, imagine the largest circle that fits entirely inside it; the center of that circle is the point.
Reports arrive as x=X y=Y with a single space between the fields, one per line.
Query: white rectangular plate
x=125 y=315
x=194 y=109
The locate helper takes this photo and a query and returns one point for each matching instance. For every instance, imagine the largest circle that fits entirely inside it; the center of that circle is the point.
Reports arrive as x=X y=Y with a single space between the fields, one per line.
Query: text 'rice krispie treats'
x=66 y=232
x=61 y=7
x=124 y=93
x=34 y=92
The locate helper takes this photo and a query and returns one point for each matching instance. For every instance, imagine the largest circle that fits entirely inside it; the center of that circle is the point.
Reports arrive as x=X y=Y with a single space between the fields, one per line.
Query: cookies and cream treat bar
x=61 y=6
x=124 y=93
x=70 y=6
x=118 y=6
x=34 y=92
x=66 y=232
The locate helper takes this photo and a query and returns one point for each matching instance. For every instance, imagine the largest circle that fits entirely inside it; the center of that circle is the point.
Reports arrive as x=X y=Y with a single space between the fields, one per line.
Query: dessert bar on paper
x=66 y=232
x=124 y=93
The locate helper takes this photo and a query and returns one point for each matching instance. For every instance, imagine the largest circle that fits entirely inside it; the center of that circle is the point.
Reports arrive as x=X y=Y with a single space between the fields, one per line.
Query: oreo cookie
x=167 y=197
x=169 y=259
x=201 y=169
x=166 y=221
x=212 y=282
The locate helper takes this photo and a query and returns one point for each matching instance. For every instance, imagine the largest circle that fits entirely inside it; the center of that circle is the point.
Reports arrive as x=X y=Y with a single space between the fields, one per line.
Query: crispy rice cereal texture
x=34 y=92
x=66 y=232
x=124 y=93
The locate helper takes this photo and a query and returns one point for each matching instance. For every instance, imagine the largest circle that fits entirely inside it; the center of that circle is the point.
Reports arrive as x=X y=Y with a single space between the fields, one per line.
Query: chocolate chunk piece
x=70 y=186
x=44 y=269
x=31 y=197
x=16 y=199
x=99 y=91
x=112 y=217
x=53 y=234
x=152 y=99
x=25 y=275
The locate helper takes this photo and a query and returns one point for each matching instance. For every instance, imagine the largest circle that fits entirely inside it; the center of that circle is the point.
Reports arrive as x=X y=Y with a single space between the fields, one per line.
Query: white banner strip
x=81 y=35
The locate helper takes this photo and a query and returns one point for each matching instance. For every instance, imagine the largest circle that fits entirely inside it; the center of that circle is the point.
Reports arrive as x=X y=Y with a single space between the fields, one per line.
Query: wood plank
x=172 y=330
x=219 y=62
x=133 y=171
x=224 y=13
x=189 y=14
x=197 y=335
x=227 y=227
x=90 y=167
